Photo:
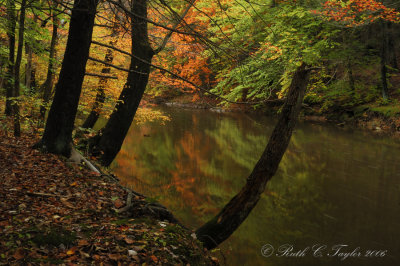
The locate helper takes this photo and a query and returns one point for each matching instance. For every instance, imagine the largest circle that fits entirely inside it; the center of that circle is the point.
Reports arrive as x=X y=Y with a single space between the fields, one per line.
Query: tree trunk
x=109 y=140
x=351 y=77
x=28 y=68
x=383 y=62
x=33 y=79
x=392 y=57
x=48 y=84
x=17 y=129
x=235 y=212
x=11 y=24
x=100 y=95
x=60 y=122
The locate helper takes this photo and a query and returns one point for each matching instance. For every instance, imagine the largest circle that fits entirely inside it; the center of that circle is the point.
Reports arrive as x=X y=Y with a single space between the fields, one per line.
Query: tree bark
x=60 y=122
x=28 y=68
x=392 y=57
x=11 y=25
x=109 y=140
x=17 y=129
x=48 y=84
x=351 y=77
x=383 y=62
x=235 y=212
x=100 y=95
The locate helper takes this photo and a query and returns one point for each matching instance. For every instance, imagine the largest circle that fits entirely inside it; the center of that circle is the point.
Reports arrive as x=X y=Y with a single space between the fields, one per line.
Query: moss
x=387 y=111
x=87 y=230
x=55 y=237
x=359 y=110
x=47 y=261
x=127 y=221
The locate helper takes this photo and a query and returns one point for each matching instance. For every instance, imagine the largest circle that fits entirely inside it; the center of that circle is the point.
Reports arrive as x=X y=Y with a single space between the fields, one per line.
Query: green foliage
x=390 y=110
x=266 y=58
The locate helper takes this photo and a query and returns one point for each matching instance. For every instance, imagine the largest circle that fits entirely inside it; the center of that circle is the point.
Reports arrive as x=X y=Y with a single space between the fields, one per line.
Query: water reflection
x=332 y=186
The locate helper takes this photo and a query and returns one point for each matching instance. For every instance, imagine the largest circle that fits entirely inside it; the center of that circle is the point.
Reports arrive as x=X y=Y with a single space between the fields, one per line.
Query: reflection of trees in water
x=328 y=183
x=290 y=211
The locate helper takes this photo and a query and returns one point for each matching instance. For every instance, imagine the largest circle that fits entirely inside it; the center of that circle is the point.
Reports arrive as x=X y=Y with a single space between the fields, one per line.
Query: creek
x=333 y=186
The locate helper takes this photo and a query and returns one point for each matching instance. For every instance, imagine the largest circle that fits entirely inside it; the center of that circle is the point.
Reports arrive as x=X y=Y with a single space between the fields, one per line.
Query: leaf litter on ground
x=54 y=212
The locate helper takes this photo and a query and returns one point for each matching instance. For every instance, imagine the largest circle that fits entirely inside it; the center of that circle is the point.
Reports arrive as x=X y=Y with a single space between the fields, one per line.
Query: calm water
x=332 y=187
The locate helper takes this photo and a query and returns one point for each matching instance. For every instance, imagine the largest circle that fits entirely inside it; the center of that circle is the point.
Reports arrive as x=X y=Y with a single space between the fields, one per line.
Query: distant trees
x=47 y=86
x=100 y=94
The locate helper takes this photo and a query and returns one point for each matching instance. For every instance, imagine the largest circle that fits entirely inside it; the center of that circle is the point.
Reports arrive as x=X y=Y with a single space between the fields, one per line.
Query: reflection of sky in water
x=332 y=186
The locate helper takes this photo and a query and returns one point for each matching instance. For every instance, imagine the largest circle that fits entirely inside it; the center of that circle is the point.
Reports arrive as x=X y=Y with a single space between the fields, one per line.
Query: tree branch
x=179 y=20
x=101 y=76
x=114 y=66
x=172 y=74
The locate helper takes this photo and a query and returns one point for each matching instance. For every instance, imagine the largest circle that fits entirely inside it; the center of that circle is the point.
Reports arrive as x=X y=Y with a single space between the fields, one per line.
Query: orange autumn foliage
x=185 y=57
x=357 y=12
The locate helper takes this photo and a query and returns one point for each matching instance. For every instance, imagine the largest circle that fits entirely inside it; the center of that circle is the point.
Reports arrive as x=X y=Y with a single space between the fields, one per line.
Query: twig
x=101 y=76
x=128 y=204
x=42 y=194
x=114 y=66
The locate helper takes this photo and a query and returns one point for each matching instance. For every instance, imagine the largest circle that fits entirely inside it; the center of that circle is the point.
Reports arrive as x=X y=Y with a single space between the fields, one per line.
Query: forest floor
x=56 y=212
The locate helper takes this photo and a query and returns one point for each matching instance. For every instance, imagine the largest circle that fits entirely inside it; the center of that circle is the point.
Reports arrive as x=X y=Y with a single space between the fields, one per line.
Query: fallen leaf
x=114 y=256
x=154 y=258
x=118 y=203
x=132 y=253
x=83 y=242
x=71 y=251
x=19 y=254
x=129 y=240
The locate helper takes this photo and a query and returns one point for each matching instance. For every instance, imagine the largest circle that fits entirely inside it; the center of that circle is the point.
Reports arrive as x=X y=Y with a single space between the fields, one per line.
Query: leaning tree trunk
x=48 y=83
x=235 y=212
x=60 y=122
x=109 y=140
x=11 y=25
x=100 y=95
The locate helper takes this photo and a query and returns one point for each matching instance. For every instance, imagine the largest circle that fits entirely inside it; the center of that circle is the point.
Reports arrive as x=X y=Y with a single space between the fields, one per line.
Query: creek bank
x=373 y=117
x=379 y=119
x=56 y=212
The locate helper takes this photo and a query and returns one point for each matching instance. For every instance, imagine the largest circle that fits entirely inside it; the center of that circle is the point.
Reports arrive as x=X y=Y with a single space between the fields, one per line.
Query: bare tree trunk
x=235 y=212
x=47 y=86
x=351 y=77
x=392 y=57
x=28 y=67
x=17 y=129
x=100 y=95
x=11 y=25
x=383 y=62
x=57 y=135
